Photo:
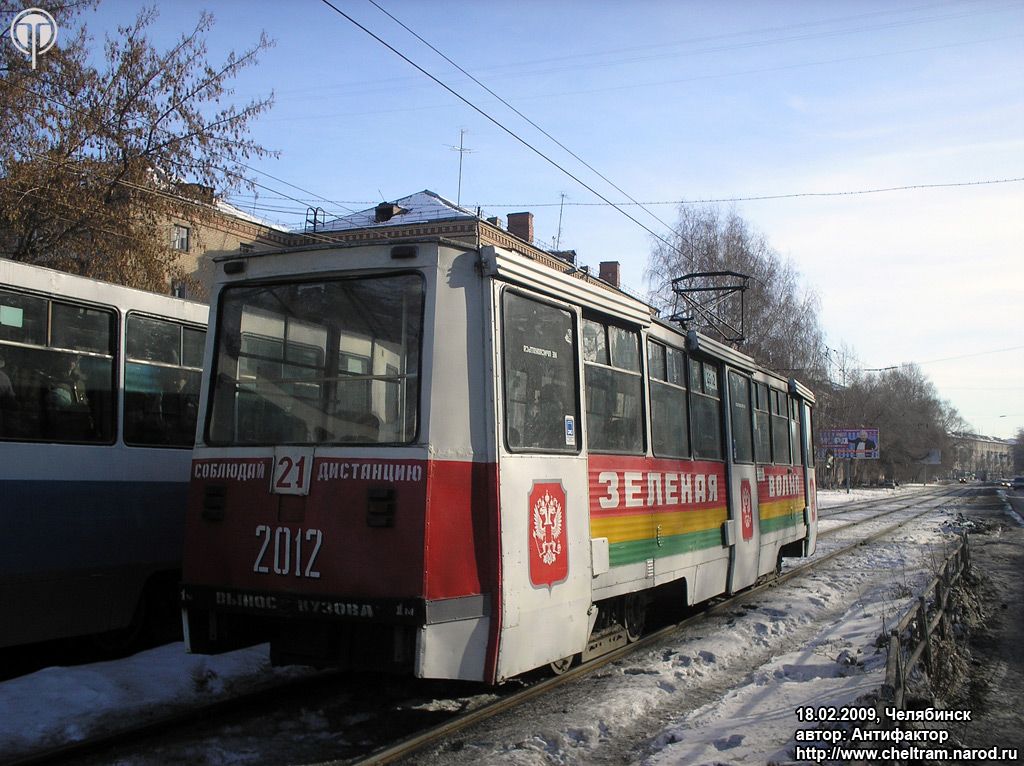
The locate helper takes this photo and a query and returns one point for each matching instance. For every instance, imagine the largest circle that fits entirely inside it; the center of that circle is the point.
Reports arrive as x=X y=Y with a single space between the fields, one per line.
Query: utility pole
x=462 y=150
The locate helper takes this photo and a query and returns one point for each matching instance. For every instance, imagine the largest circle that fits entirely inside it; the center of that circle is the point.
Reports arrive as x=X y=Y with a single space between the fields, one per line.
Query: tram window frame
x=807 y=416
x=55 y=400
x=32 y=316
x=666 y=375
x=602 y=362
x=227 y=354
x=796 y=436
x=157 y=414
x=704 y=403
x=782 y=450
x=762 y=423
x=551 y=444
x=742 y=451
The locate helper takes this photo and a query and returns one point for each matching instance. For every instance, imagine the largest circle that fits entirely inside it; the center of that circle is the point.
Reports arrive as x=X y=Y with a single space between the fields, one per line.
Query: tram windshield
x=329 y=362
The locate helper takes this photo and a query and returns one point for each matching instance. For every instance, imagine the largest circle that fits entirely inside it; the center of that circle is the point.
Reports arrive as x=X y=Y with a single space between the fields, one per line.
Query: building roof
x=967 y=436
x=421 y=207
x=228 y=209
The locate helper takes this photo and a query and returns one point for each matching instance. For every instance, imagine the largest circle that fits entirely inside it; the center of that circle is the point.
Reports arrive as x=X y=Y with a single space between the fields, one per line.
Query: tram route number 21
x=286 y=552
x=292 y=469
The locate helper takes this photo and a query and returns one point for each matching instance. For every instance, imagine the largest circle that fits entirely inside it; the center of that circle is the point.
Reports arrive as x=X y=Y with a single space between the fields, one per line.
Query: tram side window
x=614 y=388
x=161 y=387
x=780 y=427
x=541 y=393
x=739 y=403
x=794 y=426
x=666 y=368
x=809 y=440
x=57 y=371
x=762 y=424
x=706 y=410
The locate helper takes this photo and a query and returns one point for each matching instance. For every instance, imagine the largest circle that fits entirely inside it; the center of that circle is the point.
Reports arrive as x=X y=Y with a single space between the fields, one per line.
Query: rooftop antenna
x=462 y=150
x=558 y=236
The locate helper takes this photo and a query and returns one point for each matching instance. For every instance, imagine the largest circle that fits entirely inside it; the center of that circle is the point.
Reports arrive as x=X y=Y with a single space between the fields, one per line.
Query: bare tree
x=912 y=421
x=96 y=160
x=1018 y=452
x=781 y=316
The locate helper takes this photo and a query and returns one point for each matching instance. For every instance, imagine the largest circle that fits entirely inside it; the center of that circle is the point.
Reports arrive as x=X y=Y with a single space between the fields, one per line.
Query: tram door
x=810 y=489
x=743 y=495
x=545 y=553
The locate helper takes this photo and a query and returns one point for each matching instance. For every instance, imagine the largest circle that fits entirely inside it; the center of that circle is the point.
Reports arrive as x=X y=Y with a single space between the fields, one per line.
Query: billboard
x=857 y=443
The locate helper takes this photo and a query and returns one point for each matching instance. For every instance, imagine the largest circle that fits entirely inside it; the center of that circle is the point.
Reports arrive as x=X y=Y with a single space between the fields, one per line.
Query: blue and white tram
x=99 y=388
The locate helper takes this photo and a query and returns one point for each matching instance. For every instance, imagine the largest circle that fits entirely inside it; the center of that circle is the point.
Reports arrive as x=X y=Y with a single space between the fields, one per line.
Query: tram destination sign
x=856 y=443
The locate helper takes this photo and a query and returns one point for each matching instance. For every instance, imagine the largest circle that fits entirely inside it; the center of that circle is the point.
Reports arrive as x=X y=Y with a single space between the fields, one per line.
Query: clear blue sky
x=689 y=101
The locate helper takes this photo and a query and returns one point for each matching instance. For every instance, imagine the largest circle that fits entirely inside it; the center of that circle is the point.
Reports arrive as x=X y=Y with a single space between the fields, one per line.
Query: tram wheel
x=634 y=616
x=560 y=666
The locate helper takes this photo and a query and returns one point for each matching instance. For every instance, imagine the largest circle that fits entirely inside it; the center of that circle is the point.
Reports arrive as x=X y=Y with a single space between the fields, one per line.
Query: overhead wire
x=503 y=127
x=521 y=67
x=318 y=237
x=573 y=154
x=605 y=200
x=708 y=200
x=793 y=195
x=256 y=184
x=943 y=359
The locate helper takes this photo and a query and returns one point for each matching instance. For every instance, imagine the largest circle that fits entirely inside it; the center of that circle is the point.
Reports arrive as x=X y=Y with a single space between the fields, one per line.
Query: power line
x=943 y=359
x=753 y=198
x=530 y=67
x=757 y=198
x=158 y=192
x=282 y=194
x=497 y=123
x=244 y=198
x=523 y=116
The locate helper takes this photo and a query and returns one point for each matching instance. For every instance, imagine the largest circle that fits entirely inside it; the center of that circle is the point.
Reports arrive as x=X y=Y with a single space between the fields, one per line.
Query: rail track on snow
x=883 y=506
x=167 y=726
x=855 y=506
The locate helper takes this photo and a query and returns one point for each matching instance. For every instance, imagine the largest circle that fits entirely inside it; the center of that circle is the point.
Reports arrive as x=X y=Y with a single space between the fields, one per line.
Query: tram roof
x=572 y=283
x=31 y=276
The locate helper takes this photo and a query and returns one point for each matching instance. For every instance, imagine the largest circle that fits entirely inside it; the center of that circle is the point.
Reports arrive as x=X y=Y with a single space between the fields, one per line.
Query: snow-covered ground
x=828 y=498
x=725 y=691
x=728 y=690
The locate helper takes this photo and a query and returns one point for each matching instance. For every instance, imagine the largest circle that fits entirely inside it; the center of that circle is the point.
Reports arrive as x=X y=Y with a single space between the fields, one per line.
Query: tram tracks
x=182 y=721
x=898 y=504
x=420 y=741
x=855 y=506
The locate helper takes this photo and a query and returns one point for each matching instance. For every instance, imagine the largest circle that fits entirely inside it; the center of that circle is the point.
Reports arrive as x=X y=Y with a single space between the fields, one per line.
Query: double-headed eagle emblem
x=547 y=528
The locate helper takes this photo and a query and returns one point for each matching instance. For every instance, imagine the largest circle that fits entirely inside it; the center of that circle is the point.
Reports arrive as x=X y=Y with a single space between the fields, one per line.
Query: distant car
x=1018 y=482
x=963 y=480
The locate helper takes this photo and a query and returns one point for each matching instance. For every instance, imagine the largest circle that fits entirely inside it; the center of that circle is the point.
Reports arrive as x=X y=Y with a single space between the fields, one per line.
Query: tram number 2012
x=286 y=552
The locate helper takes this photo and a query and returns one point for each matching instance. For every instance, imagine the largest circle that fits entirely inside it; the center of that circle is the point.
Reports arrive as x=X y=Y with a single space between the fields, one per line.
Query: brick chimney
x=610 y=272
x=521 y=224
x=385 y=211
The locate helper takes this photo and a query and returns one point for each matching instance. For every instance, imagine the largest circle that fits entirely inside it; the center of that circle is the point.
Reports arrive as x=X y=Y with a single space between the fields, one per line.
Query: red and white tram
x=462 y=463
